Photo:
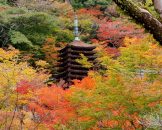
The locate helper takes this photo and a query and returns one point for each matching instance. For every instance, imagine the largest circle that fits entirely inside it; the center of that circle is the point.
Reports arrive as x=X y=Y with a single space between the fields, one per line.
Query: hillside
x=121 y=87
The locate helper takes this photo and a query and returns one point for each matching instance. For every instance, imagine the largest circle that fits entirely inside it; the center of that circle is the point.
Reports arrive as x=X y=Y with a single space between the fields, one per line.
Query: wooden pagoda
x=68 y=69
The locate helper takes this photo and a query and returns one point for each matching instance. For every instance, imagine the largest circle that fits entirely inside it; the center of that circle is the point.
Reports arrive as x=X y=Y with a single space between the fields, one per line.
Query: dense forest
x=122 y=88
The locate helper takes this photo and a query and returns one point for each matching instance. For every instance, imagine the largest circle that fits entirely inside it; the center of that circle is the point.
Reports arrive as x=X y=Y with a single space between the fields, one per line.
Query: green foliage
x=123 y=94
x=63 y=35
x=20 y=40
x=35 y=26
x=64 y=30
x=89 y=3
x=84 y=61
x=3 y=2
x=150 y=7
x=128 y=87
x=26 y=30
x=9 y=13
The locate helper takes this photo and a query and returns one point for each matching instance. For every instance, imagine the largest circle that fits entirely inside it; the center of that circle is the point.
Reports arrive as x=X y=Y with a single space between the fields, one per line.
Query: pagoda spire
x=68 y=68
x=76 y=29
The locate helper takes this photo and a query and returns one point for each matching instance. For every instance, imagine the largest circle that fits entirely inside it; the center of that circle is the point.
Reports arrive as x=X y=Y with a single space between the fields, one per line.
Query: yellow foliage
x=42 y=63
x=6 y=55
x=12 y=71
x=84 y=61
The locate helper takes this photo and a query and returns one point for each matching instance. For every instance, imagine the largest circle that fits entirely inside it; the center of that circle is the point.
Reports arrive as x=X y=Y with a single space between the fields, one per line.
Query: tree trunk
x=142 y=16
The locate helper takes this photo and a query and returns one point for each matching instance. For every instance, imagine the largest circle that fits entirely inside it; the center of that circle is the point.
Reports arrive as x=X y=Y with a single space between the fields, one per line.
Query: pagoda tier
x=67 y=68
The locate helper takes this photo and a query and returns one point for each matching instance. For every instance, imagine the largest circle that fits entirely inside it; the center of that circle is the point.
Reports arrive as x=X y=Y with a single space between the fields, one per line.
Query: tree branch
x=142 y=16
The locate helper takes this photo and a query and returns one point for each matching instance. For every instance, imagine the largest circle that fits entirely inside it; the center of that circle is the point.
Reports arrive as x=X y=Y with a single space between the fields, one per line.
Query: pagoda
x=68 y=69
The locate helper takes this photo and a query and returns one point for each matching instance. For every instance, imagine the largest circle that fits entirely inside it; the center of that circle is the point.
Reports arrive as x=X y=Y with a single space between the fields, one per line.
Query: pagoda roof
x=78 y=43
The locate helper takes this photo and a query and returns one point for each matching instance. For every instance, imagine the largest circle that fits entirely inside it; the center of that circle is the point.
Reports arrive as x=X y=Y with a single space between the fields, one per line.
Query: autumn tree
x=51 y=106
x=109 y=101
x=17 y=78
x=111 y=33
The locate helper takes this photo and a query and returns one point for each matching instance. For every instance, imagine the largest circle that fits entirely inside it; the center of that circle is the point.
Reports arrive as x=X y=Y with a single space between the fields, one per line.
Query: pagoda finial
x=76 y=29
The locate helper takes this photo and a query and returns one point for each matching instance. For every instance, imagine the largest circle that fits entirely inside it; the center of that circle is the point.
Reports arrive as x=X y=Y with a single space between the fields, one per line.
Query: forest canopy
x=121 y=84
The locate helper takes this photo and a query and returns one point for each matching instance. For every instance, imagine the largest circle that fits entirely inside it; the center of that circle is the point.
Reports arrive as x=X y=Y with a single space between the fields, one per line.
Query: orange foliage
x=93 y=12
x=51 y=105
x=153 y=104
x=128 y=126
x=50 y=50
x=3 y=8
x=94 y=128
x=86 y=83
x=108 y=123
x=83 y=119
x=23 y=87
x=116 y=112
x=94 y=41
